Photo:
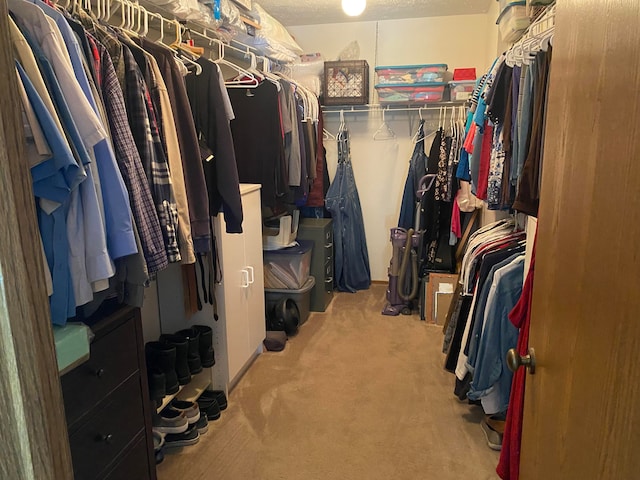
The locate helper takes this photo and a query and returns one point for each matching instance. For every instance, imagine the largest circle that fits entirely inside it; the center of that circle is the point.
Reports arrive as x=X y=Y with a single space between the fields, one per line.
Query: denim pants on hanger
x=352 y=270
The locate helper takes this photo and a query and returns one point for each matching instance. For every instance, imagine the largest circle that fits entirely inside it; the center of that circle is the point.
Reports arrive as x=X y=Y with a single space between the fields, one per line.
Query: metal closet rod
x=390 y=108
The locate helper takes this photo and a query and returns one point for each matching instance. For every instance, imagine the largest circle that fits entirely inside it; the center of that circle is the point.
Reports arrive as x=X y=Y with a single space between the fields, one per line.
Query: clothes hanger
x=179 y=54
x=245 y=79
x=384 y=132
x=327 y=135
x=266 y=72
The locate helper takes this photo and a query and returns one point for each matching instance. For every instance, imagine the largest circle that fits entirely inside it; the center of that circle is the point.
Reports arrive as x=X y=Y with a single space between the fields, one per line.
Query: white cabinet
x=240 y=329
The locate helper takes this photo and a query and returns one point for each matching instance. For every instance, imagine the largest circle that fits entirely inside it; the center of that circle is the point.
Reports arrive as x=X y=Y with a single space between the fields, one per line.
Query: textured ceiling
x=312 y=12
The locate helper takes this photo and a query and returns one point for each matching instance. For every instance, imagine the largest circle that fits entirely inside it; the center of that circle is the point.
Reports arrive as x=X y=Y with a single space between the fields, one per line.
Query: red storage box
x=464 y=74
x=416 y=93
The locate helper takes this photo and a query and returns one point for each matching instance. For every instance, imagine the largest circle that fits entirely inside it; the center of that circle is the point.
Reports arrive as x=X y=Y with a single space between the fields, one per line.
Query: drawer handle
x=99 y=373
x=329 y=280
x=329 y=245
x=108 y=439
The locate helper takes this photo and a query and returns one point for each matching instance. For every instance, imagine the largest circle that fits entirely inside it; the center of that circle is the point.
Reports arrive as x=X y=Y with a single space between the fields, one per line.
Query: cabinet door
x=235 y=283
x=253 y=259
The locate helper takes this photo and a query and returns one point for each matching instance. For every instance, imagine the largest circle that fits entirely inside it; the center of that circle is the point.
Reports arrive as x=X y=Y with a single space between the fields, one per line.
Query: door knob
x=515 y=360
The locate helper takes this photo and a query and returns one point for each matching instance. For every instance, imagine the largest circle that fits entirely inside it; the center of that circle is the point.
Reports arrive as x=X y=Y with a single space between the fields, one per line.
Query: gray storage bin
x=302 y=297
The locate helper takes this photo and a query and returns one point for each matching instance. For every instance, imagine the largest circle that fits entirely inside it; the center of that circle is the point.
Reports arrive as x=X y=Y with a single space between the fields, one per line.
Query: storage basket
x=301 y=296
x=346 y=83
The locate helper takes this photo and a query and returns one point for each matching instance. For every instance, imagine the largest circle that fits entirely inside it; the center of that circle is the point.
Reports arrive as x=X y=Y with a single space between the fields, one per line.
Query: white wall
x=381 y=166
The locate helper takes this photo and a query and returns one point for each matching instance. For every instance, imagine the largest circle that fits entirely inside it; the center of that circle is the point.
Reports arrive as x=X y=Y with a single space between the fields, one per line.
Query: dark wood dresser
x=107 y=403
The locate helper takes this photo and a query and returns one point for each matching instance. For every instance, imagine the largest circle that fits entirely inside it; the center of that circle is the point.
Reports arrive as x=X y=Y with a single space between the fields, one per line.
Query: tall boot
x=207 y=355
x=157 y=384
x=182 y=351
x=193 y=358
x=163 y=356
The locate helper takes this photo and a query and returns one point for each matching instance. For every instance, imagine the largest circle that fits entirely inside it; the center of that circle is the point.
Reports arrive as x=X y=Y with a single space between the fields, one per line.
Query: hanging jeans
x=417 y=170
x=352 y=270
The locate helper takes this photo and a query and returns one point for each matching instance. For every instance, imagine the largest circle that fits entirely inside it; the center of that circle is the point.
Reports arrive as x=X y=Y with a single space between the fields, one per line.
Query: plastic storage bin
x=346 y=83
x=512 y=22
x=301 y=296
x=411 y=74
x=289 y=267
x=506 y=3
x=461 y=90
x=418 y=93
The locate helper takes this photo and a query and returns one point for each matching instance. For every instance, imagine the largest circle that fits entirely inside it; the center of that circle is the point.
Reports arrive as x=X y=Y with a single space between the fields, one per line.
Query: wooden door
x=582 y=407
x=33 y=433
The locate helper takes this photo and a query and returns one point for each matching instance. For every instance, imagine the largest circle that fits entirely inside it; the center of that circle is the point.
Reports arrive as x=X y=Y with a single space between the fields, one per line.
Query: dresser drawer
x=109 y=429
x=131 y=466
x=114 y=358
x=328 y=273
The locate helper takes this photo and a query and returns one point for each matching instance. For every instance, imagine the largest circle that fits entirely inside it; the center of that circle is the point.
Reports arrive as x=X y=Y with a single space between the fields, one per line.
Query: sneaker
x=190 y=437
x=218 y=395
x=169 y=421
x=158 y=443
x=210 y=407
x=494 y=439
x=190 y=409
x=202 y=424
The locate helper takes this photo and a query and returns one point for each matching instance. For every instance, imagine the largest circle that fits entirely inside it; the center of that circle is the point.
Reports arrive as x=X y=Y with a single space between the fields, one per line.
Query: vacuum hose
x=408 y=251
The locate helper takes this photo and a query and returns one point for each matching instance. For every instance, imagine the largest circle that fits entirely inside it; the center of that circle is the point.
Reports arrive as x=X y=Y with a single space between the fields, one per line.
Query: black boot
x=207 y=356
x=163 y=356
x=182 y=351
x=193 y=358
x=157 y=384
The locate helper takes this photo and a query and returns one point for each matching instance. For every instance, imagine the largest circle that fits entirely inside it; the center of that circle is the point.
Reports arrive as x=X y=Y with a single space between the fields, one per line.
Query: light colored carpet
x=354 y=396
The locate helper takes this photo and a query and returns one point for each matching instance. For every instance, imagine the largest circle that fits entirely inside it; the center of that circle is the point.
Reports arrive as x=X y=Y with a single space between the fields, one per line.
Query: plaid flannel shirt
x=129 y=162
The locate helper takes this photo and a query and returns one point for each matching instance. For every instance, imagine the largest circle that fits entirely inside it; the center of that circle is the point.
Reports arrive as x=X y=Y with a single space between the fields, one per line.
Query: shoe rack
x=191 y=391
x=240 y=329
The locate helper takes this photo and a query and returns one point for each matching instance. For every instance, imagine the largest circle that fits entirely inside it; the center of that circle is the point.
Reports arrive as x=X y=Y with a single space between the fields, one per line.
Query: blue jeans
x=352 y=271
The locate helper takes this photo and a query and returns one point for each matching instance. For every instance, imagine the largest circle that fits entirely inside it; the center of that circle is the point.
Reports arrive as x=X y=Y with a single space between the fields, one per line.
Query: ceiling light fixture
x=353 y=8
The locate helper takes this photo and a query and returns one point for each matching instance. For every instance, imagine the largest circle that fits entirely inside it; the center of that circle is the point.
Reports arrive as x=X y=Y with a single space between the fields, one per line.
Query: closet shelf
x=396 y=107
x=191 y=391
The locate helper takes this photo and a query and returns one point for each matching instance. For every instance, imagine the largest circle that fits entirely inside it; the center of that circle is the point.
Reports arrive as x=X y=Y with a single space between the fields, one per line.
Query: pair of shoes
x=202 y=424
x=219 y=395
x=158 y=443
x=176 y=357
x=494 y=438
x=190 y=410
x=496 y=422
x=210 y=407
x=188 y=437
x=169 y=420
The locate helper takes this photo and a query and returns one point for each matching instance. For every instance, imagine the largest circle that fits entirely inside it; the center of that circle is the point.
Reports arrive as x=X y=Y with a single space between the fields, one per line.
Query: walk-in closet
x=355 y=239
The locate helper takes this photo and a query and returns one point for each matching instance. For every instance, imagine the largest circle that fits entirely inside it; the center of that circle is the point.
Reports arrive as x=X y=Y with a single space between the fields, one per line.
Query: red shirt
x=485 y=161
x=520 y=316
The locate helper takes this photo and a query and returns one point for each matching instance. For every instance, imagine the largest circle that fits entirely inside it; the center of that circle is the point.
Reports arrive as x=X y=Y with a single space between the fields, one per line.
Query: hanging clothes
x=257 y=139
x=351 y=257
x=213 y=128
x=196 y=187
x=509 y=464
x=528 y=195
x=417 y=170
